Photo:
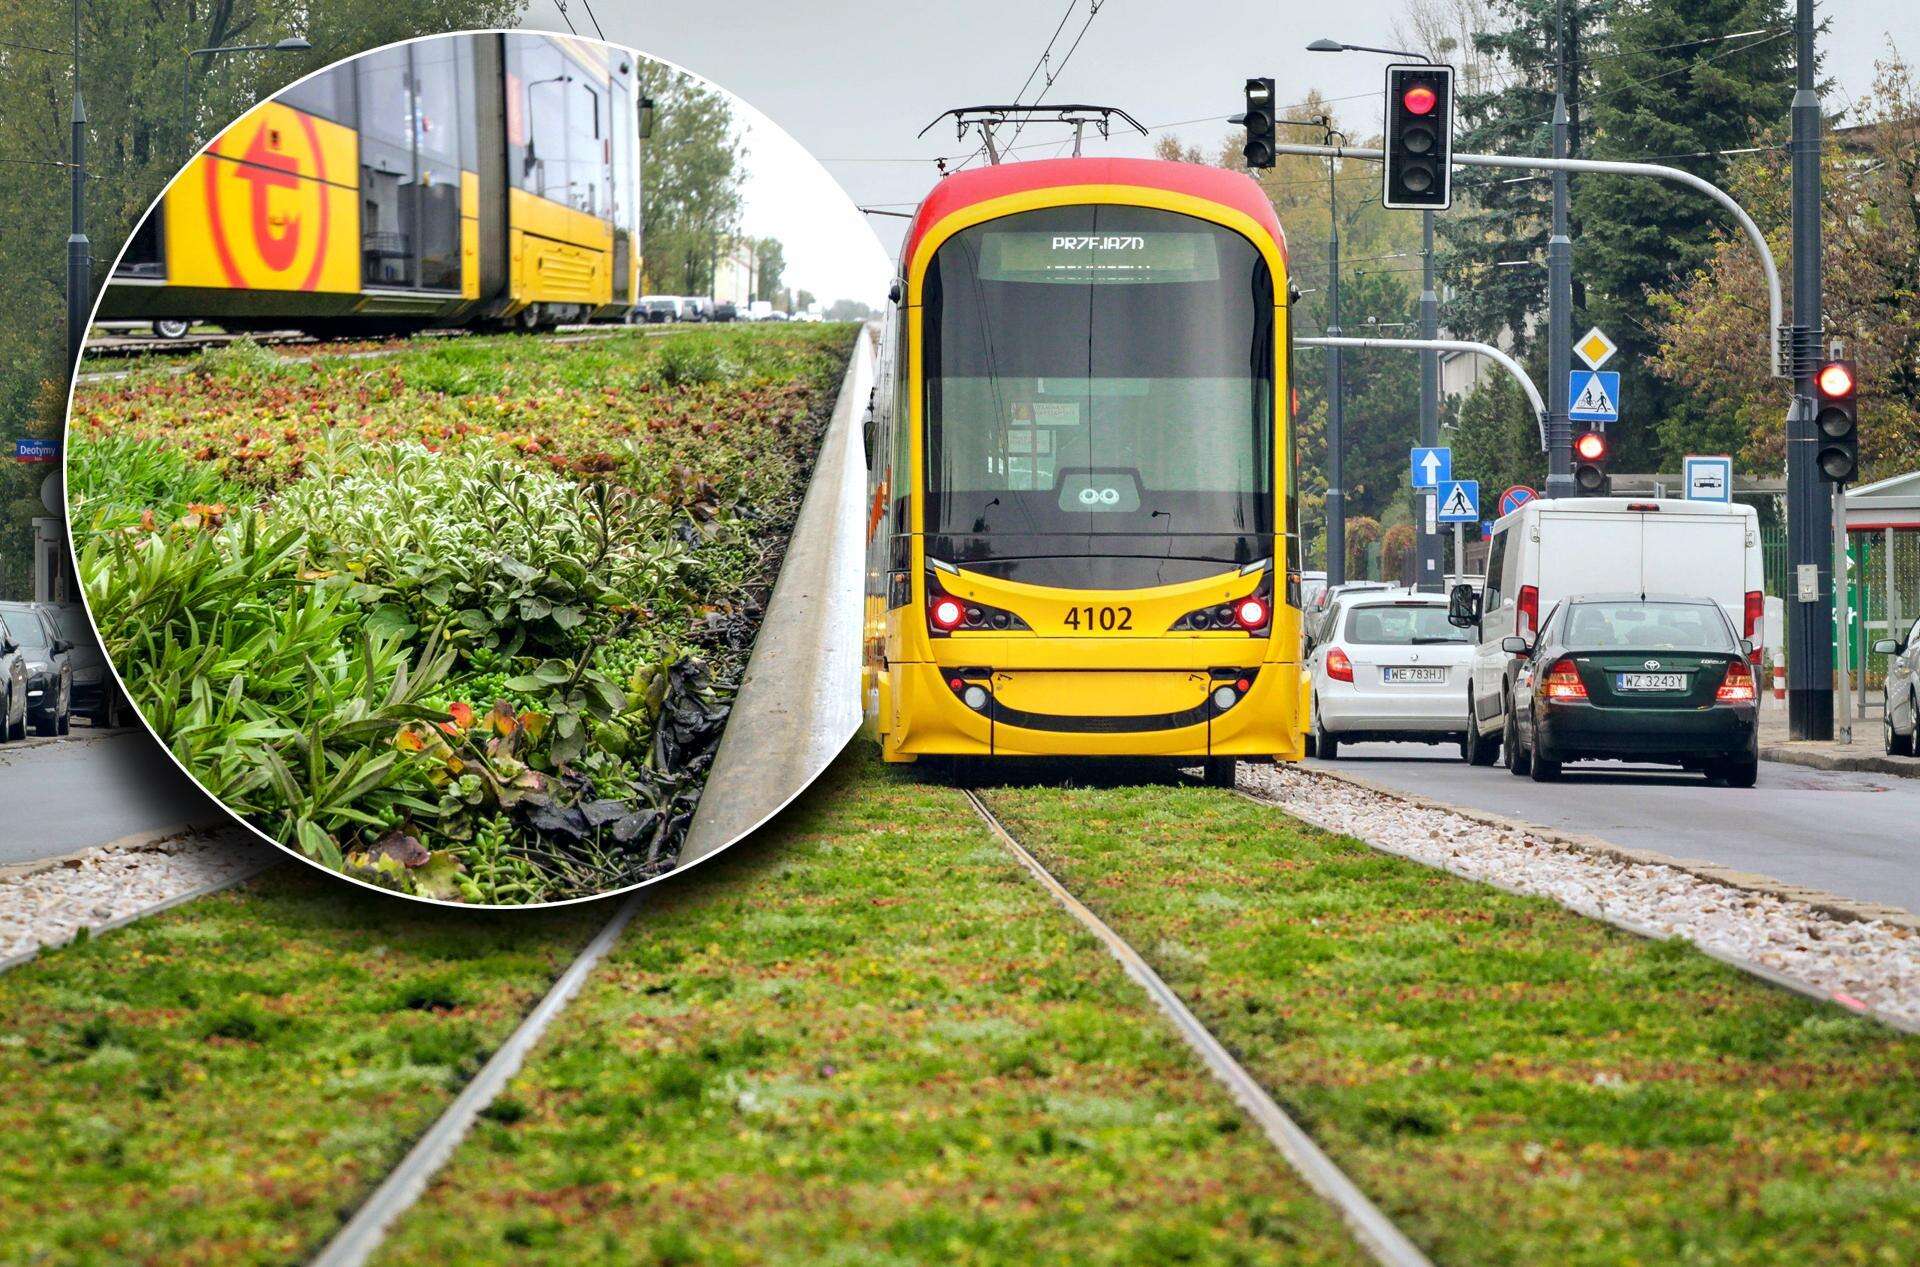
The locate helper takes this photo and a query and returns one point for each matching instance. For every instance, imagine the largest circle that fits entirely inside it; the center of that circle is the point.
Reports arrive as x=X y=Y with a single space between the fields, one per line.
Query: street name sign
x=1432 y=467
x=1460 y=502
x=1595 y=348
x=31 y=450
x=1708 y=477
x=1595 y=395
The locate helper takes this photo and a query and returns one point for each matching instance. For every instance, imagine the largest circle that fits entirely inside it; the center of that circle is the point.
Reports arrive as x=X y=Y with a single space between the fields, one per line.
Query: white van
x=1549 y=550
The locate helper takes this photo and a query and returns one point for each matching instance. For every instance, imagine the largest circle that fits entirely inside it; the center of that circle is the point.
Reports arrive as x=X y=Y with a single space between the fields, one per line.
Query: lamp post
x=1427 y=573
x=292 y=44
x=79 y=248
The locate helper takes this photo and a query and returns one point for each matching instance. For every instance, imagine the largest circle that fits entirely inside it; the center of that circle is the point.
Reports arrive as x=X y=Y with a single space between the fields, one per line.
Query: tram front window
x=1099 y=398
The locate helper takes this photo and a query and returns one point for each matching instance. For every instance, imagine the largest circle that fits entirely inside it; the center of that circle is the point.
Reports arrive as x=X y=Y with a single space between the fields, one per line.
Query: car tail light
x=1562 y=682
x=1737 y=686
x=1756 y=606
x=1526 y=621
x=947 y=612
x=1339 y=668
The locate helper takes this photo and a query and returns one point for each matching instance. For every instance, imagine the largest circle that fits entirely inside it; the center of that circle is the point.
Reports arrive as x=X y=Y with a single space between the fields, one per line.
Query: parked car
x=13 y=681
x=694 y=308
x=1314 y=615
x=49 y=665
x=1627 y=677
x=655 y=310
x=724 y=311
x=94 y=691
x=1392 y=667
x=1901 y=694
x=1551 y=550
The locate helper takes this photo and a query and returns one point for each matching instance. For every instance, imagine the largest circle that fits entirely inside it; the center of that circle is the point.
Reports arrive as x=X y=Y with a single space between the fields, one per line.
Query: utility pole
x=79 y=249
x=1559 y=288
x=1428 y=576
x=1809 y=497
x=1336 y=494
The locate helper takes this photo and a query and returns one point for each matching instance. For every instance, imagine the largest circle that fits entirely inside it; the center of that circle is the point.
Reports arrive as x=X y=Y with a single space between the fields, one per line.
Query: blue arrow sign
x=1459 y=502
x=1594 y=396
x=1432 y=467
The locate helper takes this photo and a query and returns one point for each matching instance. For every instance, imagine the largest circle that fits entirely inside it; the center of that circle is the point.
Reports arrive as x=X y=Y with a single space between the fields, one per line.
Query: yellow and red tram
x=1082 y=532
x=453 y=180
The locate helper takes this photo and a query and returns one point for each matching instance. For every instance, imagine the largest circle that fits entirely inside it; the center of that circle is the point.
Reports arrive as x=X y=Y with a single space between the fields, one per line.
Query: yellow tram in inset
x=1082 y=529
x=453 y=180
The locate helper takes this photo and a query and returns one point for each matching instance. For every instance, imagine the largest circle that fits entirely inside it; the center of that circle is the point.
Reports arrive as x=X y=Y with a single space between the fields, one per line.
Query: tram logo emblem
x=267 y=203
x=1099 y=496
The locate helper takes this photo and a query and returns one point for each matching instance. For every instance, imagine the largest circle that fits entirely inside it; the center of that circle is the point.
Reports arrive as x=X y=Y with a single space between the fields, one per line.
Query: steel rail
x=1776 y=305
x=1384 y=1242
x=362 y=1234
x=1512 y=366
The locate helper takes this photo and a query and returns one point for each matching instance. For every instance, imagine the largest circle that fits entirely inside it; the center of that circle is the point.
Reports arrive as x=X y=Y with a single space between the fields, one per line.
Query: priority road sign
x=1432 y=467
x=1708 y=478
x=1595 y=348
x=1516 y=497
x=1595 y=395
x=1459 y=502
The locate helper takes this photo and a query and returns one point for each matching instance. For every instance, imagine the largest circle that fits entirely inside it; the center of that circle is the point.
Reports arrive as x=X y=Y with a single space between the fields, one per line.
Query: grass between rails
x=217 y=1084
x=465 y=620
x=865 y=1036
x=1510 y=1082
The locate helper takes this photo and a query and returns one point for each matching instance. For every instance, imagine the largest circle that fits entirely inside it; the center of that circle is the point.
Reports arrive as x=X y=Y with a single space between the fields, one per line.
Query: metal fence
x=1883 y=593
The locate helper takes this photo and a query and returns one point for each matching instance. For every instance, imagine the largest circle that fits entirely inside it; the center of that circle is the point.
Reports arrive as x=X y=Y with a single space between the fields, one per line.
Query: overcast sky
x=854 y=80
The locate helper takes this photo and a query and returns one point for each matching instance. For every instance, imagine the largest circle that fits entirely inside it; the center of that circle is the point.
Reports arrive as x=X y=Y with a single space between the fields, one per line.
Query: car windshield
x=1402 y=625
x=1644 y=626
x=24 y=628
x=72 y=624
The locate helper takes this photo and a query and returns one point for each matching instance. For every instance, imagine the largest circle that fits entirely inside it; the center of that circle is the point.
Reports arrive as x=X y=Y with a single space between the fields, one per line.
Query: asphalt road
x=89 y=788
x=1857 y=835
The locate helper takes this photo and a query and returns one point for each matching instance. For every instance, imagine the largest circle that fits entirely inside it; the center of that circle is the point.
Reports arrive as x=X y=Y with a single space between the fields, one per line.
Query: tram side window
x=386 y=169
x=144 y=256
x=623 y=194
x=537 y=123
x=587 y=152
x=902 y=473
x=437 y=129
x=328 y=94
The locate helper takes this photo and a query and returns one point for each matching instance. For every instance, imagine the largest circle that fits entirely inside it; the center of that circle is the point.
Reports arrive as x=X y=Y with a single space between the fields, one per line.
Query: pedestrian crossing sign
x=1595 y=396
x=1459 y=502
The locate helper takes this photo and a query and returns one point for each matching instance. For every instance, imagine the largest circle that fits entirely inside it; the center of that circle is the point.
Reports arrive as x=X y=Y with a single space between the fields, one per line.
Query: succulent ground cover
x=217 y=1083
x=864 y=1036
x=464 y=620
x=1510 y=1082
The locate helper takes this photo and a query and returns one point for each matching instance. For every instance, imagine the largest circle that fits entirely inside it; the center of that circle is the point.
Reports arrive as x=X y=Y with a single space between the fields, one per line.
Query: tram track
x=1373 y=1230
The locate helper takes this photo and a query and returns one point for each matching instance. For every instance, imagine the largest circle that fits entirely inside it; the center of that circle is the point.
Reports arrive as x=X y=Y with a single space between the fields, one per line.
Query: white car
x=1901 y=718
x=1390 y=666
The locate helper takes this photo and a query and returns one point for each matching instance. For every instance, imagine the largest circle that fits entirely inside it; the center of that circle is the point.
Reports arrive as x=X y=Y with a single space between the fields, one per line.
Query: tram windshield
x=1099 y=403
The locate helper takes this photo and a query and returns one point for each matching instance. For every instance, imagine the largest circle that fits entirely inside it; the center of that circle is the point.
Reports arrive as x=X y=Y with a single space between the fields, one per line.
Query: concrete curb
x=1865 y=763
x=1831 y=904
x=134 y=840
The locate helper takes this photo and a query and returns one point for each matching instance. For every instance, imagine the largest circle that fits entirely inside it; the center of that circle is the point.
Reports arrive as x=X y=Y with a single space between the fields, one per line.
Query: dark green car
x=1639 y=678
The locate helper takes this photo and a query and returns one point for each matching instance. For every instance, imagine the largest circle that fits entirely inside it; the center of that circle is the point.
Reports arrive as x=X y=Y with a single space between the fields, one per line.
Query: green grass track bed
x=1510 y=1082
x=864 y=1037
x=221 y=1082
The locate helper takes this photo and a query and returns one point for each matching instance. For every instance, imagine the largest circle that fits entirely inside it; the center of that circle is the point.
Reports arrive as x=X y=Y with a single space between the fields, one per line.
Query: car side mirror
x=8 y=646
x=1886 y=646
x=1463 y=607
x=61 y=646
x=1513 y=644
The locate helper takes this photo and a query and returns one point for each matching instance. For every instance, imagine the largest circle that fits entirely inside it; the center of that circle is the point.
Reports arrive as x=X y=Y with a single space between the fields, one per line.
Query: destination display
x=1083 y=258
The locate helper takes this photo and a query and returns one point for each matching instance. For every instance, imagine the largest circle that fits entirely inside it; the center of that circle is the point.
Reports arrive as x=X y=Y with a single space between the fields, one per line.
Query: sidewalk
x=1866 y=754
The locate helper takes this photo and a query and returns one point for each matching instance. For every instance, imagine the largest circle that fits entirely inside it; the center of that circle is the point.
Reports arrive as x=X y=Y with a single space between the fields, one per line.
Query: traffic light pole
x=1336 y=414
x=1809 y=497
x=1429 y=575
x=79 y=247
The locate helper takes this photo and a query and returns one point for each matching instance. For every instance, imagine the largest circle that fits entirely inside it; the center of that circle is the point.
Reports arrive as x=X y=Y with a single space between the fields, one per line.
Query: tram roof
x=1214 y=184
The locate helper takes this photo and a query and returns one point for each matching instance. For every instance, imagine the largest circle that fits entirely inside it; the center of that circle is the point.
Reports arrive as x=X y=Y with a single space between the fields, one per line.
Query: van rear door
x=1703 y=555
x=1588 y=552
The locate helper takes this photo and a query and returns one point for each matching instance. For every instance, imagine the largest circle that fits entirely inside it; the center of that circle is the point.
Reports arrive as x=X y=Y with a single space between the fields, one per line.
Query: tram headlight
x=974 y=697
x=1225 y=697
x=1252 y=614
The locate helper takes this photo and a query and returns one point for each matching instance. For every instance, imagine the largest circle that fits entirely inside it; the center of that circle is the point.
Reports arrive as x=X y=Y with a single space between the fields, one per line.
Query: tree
x=1673 y=90
x=690 y=181
x=1495 y=436
x=132 y=56
x=769 y=263
x=1711 y=328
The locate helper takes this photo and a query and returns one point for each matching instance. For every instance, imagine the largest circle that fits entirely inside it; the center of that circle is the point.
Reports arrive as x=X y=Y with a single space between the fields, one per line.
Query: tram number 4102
x=1103 y=619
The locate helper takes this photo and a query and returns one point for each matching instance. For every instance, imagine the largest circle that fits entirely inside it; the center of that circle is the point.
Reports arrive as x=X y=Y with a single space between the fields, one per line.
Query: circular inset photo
x=457 y=474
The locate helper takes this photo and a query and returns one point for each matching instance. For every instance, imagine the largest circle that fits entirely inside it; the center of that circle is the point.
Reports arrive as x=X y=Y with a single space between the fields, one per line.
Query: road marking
x=1384 y=1242
x=362 y=1234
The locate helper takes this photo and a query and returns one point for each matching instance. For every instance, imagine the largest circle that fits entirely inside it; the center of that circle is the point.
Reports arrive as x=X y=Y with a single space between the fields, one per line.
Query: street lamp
x=1427 y=574
x=292 y=44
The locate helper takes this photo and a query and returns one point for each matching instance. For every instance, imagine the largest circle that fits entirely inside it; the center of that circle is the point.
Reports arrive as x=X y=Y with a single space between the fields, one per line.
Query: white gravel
x=48 y=907
x=1866 y=962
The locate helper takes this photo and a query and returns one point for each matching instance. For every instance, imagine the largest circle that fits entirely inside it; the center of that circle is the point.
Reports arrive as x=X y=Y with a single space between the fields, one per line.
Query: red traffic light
x=1591 y=447
x=1834 y=380
x=1420 y=99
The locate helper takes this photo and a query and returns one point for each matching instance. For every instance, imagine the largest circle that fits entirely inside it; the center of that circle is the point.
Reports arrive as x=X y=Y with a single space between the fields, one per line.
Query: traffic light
x=1837 y=422
x=1590 y=453
x=1258 y=150
x=1419 y=135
